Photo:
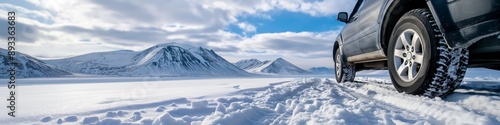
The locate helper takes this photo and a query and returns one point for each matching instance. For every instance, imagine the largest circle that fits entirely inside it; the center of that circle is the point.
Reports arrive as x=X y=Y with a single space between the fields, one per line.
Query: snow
x=179 y=44
x=169 y=59
x=150 y=55
x=59 y=121
x=111 y=114
x=199 y=104
x=322 y=70
x=71 y=118
x=167 y=119
x=371 y=99
x=278 y=66
x=46 y=119
x=90 y=120
x=28 y=66
x=110 y=58
x=220 y=108
x=160 y=109
x=109 y=121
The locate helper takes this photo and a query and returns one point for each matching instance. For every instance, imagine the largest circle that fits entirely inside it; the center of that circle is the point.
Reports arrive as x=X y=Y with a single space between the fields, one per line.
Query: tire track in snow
x=324 y=102
x=260 y=109
x=313 y=101
x=444 y=112
x=476 y=103
x=274 y=98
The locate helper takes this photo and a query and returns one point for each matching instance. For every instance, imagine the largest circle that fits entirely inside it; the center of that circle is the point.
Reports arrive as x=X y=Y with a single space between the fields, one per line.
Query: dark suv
x=426 y=45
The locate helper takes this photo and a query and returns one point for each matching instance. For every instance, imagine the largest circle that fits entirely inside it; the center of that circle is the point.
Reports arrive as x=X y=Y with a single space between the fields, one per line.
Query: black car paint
x=350 y=34
x=462 y=26
x=357 y=33
x=464 y=22
x=367 y=31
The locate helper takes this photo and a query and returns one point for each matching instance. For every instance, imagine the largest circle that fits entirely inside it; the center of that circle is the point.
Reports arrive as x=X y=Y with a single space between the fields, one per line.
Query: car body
x=471 y=25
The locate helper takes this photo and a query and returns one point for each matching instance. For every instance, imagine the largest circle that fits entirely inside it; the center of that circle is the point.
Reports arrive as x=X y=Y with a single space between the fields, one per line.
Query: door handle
x=354 y=18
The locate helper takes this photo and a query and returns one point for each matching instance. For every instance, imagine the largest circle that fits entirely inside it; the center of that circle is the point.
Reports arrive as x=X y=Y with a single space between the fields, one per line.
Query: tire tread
x=451 y=65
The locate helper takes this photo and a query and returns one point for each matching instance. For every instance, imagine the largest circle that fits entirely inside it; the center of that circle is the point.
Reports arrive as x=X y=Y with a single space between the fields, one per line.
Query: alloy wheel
x=408 y=55
x=338 y=65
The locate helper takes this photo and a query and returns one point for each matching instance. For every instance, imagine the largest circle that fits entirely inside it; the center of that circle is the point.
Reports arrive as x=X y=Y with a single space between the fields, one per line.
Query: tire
x=419 y=60
x=344 y=72
x=460 y=59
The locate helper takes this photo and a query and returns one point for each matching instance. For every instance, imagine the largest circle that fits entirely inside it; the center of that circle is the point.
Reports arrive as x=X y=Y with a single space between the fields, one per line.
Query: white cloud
x=302 y=44
x=298 y=47
x=316 y=8
x=247 y=27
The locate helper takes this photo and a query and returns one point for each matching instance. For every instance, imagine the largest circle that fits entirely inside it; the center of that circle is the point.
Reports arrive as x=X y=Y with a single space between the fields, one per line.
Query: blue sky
x=301 y=31
x=286 y=21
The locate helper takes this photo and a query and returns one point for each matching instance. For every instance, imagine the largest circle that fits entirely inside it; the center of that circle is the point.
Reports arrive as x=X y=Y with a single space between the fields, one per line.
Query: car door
x=350 y=34
x=368 y=23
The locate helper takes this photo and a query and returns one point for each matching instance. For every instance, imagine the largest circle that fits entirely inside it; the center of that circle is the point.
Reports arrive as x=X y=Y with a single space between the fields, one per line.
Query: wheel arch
x=336 y=45
x=391 y=15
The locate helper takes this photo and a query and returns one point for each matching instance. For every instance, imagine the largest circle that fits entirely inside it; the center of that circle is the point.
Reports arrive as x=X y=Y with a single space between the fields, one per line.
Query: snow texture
x=109 y=121
x=371 y=99
x=59 y=121
x=90 y=120
x=110 y=114
x=46 y=119
x=71 y=118
x=278 y=66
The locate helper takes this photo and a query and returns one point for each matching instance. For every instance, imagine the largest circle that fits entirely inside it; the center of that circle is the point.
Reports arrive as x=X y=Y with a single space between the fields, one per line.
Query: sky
x=300 y=31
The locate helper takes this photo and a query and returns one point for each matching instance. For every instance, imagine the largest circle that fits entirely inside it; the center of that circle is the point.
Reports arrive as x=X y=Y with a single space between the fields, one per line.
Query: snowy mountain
x=250 y=63
x=278 y=66
x=95 y=63
x=173 y=59
x=322 y=70
x=28 y=66
x=170 y=59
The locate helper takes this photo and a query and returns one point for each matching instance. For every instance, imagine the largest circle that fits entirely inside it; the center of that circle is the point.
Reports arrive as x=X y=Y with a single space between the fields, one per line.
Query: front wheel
x=419 y=61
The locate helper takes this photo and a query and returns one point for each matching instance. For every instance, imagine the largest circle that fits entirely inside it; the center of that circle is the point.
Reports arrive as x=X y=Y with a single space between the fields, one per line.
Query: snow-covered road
x=367 y=101
x=237 y=101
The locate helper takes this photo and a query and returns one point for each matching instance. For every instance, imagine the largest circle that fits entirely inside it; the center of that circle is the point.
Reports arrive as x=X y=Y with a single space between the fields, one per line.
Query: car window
x=357 y=7
x=362 y=4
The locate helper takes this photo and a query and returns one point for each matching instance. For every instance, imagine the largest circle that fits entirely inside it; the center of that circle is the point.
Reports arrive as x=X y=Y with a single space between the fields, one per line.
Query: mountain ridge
x=27 y=66
x=278 y=66
x=168 y=59
x=322 y=70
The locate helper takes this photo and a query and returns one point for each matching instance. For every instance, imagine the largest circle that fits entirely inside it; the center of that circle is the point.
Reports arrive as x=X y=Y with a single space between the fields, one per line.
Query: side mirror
x=342 y=17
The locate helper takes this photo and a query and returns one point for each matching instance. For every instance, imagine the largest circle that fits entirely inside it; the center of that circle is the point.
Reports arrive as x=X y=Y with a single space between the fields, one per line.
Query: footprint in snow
x=236 y=86
x=46 y=119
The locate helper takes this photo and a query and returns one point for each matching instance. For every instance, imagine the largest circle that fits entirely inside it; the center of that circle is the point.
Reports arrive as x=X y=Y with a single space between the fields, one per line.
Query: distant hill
x=170 y=59
x=278 y=66
x=28 y=66
x=322 y=70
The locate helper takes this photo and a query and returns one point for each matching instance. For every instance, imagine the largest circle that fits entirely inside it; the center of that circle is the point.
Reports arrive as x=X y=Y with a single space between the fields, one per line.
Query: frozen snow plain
x=238 y=101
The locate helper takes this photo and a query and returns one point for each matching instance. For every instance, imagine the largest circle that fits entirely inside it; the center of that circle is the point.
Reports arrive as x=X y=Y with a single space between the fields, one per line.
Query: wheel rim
x=338 y=65
x=408 y=56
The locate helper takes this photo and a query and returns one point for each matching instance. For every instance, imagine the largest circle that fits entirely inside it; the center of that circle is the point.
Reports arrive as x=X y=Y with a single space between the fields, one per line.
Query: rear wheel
x=419 y=60
x=344 y=72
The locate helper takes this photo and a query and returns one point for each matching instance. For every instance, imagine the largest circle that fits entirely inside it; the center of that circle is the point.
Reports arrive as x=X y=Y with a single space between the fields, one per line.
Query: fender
x=459 y=27
x=337 y=44
x=382 y=22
